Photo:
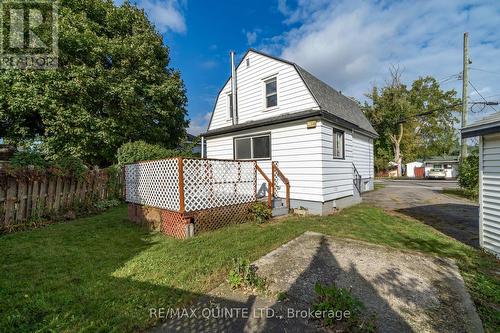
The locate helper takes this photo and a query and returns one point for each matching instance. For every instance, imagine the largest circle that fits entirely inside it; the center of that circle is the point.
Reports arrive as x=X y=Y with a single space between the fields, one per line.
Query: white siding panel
x=337 y=173
x=296 y=150
x=363 y=157
x=293 y=95
x=490 y=193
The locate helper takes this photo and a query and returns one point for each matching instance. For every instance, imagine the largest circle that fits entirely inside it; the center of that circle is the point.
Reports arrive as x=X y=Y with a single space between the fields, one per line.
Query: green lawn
x=103 y=273
x=459 y=192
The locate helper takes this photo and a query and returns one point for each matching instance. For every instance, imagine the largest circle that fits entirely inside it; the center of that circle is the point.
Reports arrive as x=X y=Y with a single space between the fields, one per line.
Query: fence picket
x=24 y=198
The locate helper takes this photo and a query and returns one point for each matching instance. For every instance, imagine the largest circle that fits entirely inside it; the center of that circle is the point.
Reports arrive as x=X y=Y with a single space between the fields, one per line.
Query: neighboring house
x=411 y=172
x=488 y=131
x=284 y=114
x=196 y=149
x=448 y=163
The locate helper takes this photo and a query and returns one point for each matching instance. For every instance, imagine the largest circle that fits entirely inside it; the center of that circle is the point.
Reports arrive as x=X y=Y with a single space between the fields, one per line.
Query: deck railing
x=191 y=184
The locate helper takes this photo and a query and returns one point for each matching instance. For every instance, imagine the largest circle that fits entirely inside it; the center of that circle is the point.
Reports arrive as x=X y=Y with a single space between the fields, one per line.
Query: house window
x=271 y=93
x=252 y=148
x=338 y=144
x=229 y=104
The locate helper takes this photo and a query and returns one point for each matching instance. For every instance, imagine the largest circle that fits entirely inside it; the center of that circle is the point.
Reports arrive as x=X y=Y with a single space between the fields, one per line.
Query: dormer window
x=271 y=90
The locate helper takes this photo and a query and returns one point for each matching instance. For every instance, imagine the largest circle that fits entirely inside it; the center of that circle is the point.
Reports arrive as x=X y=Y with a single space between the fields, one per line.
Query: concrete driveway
x=423 y=200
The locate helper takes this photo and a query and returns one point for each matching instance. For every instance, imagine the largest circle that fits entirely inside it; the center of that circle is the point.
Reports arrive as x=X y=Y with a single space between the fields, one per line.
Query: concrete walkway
x=407 y=292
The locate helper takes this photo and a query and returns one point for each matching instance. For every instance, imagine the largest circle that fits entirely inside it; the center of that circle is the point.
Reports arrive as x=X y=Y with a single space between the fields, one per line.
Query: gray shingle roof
x=332 y=101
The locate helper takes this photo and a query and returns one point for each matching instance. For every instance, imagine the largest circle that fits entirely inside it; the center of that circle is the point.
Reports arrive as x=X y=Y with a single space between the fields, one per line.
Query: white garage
x=488 y=131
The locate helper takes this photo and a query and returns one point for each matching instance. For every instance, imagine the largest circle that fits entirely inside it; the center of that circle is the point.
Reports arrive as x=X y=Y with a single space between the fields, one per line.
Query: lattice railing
x=217 y=183
x=188 y=185
x=154 y=183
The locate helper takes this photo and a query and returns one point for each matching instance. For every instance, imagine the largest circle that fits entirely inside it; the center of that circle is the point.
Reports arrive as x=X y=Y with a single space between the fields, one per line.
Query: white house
x=281 y=113
x=448 y=163
x=488 y=131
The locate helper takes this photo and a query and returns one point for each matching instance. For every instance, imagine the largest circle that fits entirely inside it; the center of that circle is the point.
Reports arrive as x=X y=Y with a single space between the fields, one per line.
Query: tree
x=412 y=123
x=113 y=85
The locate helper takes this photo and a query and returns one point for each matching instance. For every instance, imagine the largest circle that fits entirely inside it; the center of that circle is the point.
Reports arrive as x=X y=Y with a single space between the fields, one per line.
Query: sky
x=349 y=44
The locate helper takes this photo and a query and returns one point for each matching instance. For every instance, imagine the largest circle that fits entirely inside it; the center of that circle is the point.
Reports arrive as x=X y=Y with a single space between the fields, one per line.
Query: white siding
x=362 y=158
x=337 y=173
x=293 y=95
x=490 y=193
x=297 y=150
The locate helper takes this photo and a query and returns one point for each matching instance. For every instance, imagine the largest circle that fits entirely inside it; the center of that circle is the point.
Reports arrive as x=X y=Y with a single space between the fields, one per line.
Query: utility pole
x=465 y=83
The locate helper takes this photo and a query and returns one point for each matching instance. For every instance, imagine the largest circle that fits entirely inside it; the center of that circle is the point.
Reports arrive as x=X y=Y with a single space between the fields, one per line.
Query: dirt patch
x=408 y=292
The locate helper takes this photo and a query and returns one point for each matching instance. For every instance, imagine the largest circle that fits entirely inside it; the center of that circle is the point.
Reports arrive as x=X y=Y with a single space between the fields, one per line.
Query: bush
x=102 y=205
x=260 y=212
x=141 y=151
x=244 y=275
x=70 y=165
x=468 y=175
x=340 y=307
x=22 y=161
x=28 y=158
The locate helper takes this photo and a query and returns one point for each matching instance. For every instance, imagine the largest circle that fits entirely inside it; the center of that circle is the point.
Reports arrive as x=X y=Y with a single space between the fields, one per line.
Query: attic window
x=271 y=90
x=229 y=104
x=248 y=62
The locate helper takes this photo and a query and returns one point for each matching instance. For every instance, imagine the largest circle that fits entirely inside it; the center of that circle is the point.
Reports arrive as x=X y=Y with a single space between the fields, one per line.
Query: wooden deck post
x=181 y=185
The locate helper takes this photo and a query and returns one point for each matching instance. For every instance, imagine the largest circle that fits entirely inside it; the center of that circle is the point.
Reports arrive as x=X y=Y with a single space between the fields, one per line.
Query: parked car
x=437 y=174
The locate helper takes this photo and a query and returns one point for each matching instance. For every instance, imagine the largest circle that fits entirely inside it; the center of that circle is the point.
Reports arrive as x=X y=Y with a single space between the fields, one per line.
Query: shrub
x=340 y=306
x=244 y=275
x=28 y=158
x=70 y=165
x=141 y=151
x=468 y=175
x=106 y=203
x=260 y=212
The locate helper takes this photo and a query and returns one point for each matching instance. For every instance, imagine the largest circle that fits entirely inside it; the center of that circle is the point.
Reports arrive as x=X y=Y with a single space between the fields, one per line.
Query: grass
x=460 y=192
x=103 y=273
x=378 y=186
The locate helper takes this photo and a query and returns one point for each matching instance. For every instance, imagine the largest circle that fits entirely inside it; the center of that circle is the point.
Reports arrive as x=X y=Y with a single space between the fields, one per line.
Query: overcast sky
x=348 y=44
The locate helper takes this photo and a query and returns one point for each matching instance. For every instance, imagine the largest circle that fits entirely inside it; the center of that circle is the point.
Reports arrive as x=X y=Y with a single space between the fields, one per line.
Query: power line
x=484 y=70
x=429 y=112
x=487 y=103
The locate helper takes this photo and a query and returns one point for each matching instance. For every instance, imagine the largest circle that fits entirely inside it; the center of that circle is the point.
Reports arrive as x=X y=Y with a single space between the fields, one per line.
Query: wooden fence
x=26 y=198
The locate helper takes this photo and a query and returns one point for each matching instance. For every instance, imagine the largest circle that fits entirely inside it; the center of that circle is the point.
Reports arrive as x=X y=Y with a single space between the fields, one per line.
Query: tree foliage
x=404 y=135
x=113 y=85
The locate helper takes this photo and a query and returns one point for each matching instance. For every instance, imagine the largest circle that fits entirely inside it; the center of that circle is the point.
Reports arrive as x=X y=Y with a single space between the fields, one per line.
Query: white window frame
x=264 y=82
x=336 y=131
x=251 y=137
x=229 y=114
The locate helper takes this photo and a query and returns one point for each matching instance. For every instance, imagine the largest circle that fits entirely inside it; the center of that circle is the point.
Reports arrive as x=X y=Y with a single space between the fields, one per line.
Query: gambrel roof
x=333 y=106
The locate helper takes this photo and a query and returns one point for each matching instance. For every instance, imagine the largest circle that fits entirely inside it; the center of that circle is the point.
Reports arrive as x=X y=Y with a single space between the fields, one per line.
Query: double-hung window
x=252 y=147
x=271 y=93
x=338 y=144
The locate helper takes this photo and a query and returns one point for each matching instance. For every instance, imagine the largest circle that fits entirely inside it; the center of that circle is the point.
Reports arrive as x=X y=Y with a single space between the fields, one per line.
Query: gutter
x=323 y=115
